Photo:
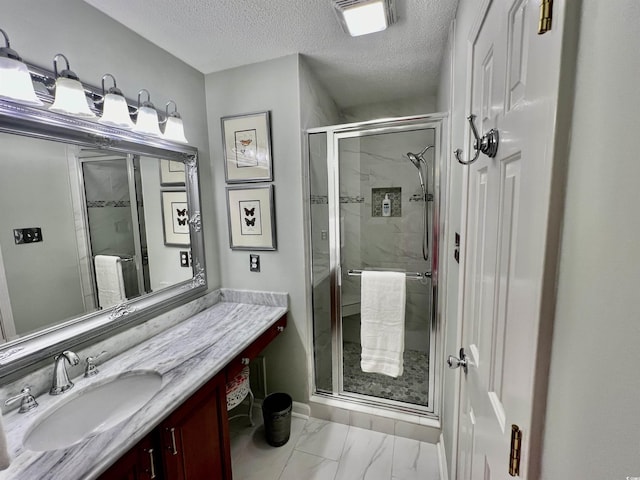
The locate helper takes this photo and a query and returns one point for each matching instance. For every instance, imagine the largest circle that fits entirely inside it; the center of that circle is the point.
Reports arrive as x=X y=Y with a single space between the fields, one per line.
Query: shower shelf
x=409 y=275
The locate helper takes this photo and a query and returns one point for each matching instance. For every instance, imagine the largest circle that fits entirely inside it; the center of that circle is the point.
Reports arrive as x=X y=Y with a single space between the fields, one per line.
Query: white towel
x=110 y=281
x=382 y=304
x=5 y=459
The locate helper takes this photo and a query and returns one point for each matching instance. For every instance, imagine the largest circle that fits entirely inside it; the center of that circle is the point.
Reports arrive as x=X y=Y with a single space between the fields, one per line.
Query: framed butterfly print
x=252 y=222
x=246 y=143
x=175 y=218
x=171 y=172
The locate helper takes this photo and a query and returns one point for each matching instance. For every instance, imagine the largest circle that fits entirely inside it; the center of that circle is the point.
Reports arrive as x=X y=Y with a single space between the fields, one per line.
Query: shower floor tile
x=412 y=387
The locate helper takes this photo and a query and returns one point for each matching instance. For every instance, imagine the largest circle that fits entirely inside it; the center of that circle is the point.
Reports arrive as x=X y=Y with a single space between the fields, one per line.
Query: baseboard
x=298 y=409
x=301 y=410
x=442 y=459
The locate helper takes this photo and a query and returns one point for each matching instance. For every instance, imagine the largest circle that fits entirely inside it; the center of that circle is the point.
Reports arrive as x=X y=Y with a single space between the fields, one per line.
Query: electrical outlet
x=184 y=258
x=27 y=235
x=254 y=262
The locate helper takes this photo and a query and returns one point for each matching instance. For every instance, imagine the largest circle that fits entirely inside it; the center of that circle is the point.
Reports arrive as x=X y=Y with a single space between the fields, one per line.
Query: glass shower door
x=321 y=289
x=112 y=223
x=381 y=207
x=367 y=204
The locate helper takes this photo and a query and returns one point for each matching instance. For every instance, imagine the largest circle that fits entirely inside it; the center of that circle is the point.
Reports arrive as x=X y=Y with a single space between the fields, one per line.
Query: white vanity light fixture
x=15 y=80
x=115 y=111
x=70 y=97
x=173 y=127
x=147 y=117
x=361 y=17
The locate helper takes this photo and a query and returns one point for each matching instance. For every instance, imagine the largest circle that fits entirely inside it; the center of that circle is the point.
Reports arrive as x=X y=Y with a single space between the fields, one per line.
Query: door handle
x=455 y=362
x=488 y=144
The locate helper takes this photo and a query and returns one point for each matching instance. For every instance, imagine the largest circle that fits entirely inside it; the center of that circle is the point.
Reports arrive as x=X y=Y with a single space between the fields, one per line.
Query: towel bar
x=409 y=275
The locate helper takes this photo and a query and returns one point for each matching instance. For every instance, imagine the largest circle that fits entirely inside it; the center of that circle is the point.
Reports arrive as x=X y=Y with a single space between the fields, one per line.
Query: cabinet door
x=139 y=463
x=196 y=436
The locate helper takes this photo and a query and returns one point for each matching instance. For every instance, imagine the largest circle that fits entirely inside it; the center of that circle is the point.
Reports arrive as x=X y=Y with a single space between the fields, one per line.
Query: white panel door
x=514 y=88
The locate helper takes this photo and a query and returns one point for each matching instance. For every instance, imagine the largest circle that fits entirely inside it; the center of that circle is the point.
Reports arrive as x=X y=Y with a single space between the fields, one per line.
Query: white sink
x=91 y=410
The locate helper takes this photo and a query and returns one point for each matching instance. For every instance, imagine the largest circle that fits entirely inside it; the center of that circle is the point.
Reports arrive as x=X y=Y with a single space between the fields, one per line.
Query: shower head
x=416 y=158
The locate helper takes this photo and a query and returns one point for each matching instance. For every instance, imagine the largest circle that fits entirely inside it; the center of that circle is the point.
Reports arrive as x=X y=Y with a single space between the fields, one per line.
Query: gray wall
x=592 y=429
x=95 y=44
x=286 y=88
x=269 y=86
x=43 y=278
x=164 y=265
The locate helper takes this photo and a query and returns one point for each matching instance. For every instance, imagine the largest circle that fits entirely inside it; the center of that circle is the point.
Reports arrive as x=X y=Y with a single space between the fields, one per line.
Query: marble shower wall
x=394 y=243
x=107 y=192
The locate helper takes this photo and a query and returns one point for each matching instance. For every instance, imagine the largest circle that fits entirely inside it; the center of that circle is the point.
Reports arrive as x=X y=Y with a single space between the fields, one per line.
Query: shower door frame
x=334 y=134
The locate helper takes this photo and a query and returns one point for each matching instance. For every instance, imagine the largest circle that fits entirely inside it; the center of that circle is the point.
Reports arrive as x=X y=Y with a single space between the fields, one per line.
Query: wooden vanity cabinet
x=237 y=364
x=139 y=463
x=195 y=437
x=190 y=444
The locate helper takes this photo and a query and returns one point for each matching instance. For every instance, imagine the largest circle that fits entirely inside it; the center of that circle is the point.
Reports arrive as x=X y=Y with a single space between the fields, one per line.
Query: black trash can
x=276 y=411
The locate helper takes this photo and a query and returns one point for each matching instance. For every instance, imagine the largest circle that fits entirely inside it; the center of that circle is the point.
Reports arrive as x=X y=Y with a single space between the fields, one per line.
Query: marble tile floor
x=322 y=450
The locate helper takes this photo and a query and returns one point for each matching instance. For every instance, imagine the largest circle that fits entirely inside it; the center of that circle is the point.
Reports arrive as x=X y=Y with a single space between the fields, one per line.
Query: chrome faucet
x=61 y=382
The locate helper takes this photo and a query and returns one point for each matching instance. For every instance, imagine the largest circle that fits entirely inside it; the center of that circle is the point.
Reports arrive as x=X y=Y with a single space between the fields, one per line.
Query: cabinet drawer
x=252 y=351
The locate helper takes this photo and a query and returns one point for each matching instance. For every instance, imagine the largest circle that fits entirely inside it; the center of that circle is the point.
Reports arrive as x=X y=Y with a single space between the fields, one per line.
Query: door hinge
x=516 y=446
x=546 y=15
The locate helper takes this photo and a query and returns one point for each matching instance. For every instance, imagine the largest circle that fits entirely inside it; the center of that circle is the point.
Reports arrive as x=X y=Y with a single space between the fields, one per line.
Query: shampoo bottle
x=386 y=206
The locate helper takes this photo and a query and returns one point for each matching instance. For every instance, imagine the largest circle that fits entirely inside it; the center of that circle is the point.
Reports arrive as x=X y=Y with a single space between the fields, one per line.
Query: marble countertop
x=187 y=355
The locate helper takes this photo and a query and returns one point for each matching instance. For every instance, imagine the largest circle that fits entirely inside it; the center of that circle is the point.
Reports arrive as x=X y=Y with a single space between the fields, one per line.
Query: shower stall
x=375 y=190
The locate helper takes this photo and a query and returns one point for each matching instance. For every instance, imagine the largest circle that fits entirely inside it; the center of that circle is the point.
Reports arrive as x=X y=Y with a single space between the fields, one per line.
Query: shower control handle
x=455 y=362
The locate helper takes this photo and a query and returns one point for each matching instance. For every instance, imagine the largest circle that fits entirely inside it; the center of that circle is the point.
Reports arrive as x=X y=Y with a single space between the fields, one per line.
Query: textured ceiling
x=214 y=35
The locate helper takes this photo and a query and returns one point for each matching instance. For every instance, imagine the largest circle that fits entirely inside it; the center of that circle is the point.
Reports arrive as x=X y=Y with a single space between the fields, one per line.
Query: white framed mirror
x=100 y=227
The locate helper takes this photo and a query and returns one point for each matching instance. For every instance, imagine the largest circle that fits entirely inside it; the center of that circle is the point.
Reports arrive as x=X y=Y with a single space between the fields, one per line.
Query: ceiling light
x=115 y=111
x=15 y=80
x=147 y=121
x=360 y=17
x=70 y=96
x=173 y=128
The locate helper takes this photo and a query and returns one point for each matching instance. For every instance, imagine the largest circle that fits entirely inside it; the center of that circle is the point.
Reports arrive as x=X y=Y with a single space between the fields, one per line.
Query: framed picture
x=252 y=223
x=171 y=172
x=175 y=218
x=246 y=143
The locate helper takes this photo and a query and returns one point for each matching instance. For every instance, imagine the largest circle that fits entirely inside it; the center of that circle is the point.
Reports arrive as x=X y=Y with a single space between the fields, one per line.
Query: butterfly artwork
x=180 y=218
x=250 y=220
x=251 y=217
x=175 y=216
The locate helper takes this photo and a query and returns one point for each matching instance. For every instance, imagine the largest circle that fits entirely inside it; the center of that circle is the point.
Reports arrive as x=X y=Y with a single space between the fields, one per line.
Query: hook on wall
x=488 y=144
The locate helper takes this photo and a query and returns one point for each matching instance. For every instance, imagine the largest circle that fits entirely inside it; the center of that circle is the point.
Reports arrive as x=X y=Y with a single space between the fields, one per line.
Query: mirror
x=99 y=227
